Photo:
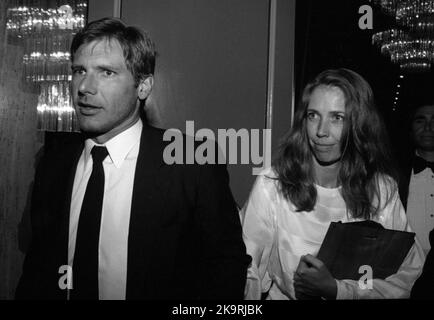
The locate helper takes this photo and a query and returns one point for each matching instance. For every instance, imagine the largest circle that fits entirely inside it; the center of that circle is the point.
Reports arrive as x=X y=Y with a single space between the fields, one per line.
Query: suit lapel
x=147 y=202
x=65 y=175
x=70 y=169
x=404 y=182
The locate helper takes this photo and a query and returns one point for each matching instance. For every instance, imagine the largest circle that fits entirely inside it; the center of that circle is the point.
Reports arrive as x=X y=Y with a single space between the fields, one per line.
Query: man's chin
x=90 y=131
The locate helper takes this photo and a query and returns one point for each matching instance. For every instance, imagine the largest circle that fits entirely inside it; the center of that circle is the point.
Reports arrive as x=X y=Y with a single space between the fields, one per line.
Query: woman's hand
x=313 y=279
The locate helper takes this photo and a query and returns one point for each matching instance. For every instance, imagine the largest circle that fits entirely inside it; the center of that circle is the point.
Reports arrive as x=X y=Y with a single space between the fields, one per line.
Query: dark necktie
x=85 y=264
x=421 y=164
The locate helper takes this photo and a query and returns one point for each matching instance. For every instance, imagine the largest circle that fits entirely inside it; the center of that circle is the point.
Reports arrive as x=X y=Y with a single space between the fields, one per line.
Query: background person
x=417 y=175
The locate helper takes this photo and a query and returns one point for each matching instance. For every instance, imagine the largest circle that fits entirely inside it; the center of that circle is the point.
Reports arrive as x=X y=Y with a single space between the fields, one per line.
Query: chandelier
x=411 y=44
x=45 y=29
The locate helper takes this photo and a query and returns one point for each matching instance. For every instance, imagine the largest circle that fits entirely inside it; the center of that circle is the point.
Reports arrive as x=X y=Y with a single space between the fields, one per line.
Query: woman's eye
x=311 y=115
x=338 y=117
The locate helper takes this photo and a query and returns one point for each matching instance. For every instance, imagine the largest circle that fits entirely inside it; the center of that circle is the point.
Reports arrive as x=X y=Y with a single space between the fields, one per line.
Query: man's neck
x=426 y=155
x=102 y=139
x=326 y=176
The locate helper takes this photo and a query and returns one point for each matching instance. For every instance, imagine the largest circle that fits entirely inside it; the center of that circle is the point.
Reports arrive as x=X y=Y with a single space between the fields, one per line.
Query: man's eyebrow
x=113 y=67
x=419 y=116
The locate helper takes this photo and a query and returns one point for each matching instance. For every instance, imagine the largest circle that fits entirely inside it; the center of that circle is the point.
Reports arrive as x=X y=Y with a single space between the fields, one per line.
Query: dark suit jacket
x=185 y=238
x=405 y=169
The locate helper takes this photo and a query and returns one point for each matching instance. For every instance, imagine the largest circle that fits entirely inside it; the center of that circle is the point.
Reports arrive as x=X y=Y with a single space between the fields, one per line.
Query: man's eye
x=78 y=71
x=108 y=73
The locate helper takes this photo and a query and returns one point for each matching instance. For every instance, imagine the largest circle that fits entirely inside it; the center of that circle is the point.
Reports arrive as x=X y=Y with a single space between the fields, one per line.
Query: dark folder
x=348 y=246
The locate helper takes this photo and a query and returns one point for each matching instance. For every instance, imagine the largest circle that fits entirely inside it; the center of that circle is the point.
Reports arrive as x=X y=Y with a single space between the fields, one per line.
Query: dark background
x=328 y=36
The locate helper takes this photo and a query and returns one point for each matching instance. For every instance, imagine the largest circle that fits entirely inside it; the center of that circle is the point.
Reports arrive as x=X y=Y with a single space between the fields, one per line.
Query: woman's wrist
x=331 y=291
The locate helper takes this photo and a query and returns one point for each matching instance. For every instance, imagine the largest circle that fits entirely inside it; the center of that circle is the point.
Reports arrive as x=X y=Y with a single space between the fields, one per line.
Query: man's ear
x=145 y=87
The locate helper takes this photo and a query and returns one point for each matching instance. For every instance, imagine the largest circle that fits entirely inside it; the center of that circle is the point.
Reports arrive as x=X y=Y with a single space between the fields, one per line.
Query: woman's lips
x=323 y=147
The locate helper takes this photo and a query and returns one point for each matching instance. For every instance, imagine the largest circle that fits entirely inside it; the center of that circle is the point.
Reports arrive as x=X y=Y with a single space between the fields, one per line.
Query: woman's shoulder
x=387 y=185
x=267 y=182
x=268 y=173
x=387 y=210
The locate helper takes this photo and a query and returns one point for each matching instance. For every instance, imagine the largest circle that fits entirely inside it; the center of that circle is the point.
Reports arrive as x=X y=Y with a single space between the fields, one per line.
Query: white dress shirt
x=276 y=236
x=420 y=205
x=119 y=169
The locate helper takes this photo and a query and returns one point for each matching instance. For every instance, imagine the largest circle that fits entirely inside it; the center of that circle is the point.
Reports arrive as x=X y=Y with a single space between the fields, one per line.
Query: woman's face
x=325 y=122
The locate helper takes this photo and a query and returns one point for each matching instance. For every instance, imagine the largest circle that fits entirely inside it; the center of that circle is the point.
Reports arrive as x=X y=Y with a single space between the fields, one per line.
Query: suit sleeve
x=224 y=258
x=423 y=288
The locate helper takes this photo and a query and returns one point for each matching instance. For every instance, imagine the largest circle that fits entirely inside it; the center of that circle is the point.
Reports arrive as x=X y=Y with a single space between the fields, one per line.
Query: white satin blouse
x=276 y=236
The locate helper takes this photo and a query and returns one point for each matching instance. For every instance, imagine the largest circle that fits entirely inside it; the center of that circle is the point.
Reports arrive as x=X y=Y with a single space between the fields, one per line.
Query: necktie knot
x=99 y=154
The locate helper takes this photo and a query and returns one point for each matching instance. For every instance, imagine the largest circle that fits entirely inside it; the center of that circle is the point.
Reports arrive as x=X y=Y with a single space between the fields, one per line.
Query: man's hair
x=417 y=107
x=137 y=46
x=364 y=144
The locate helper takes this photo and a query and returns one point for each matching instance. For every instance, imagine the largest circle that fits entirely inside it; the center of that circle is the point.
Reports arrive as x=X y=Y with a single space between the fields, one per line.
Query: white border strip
x=271 y=66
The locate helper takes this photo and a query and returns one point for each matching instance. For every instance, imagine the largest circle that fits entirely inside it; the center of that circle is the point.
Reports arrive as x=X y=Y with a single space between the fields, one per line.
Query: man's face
x=325 y=122
x=105 y=95
x=423 y=128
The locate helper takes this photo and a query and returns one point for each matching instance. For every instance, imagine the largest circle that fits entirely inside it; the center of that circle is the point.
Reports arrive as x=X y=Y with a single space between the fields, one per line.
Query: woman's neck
x=326 y=176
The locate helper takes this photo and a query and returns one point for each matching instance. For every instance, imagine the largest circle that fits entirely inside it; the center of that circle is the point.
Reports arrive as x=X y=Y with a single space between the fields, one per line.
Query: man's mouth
x=88 y=109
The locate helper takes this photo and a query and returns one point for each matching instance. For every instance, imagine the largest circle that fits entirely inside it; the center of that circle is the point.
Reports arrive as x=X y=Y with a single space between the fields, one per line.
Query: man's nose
x=428 y=126
x=323 y=129
x=87 y=85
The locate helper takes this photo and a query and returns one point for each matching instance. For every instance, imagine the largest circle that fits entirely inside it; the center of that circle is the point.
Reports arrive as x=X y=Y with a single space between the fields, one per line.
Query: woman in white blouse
x=333 y=165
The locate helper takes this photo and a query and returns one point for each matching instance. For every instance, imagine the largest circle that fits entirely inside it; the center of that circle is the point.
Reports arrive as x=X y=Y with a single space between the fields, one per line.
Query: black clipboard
x=348 y=246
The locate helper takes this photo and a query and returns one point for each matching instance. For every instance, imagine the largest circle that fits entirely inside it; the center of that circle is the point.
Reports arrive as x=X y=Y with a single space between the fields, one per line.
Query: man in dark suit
x=111 y=211
x=417 y=175
x=416 y=188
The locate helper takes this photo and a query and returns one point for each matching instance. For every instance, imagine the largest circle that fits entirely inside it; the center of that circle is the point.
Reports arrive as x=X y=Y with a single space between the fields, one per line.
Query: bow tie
x=420 y=164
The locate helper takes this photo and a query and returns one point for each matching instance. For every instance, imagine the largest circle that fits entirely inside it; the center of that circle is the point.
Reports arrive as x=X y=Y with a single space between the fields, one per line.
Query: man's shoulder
x=63 y=144
x=183 y=151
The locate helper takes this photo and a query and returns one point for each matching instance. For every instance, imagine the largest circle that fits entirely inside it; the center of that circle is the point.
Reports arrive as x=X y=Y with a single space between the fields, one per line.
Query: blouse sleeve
x=398 y=285
x=258 y=235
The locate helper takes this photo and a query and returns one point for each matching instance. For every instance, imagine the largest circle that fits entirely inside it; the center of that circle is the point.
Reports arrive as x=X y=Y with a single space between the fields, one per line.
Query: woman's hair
x=365 y=150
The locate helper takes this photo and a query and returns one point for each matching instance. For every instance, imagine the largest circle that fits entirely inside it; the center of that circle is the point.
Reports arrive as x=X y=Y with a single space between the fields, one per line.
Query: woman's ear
x=145 y=87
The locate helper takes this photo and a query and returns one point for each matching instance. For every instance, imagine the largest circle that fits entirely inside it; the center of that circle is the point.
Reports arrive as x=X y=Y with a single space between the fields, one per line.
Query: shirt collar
x=119 y=146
